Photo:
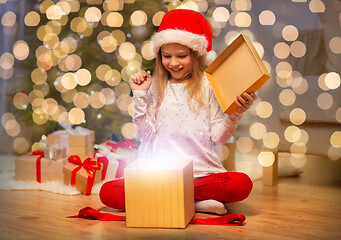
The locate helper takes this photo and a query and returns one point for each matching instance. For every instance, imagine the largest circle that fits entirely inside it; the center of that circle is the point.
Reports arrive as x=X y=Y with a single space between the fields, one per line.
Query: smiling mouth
x=176 y=70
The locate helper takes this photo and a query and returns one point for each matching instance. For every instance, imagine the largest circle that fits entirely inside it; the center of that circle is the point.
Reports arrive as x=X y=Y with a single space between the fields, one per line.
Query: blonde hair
x=193 y=83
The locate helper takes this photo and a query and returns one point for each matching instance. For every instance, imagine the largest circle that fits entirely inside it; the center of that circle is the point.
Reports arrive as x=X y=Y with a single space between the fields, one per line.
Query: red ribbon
x=38 y=164
x=236 y=219
x=128 y=144
x=89 y=165
x=105 y=162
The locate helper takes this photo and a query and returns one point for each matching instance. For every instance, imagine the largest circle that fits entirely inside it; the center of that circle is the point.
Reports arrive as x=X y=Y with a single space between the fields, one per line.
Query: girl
x=177 y=115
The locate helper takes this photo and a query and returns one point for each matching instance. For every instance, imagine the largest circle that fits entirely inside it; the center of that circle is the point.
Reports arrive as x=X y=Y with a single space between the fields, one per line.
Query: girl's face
x=176 y=58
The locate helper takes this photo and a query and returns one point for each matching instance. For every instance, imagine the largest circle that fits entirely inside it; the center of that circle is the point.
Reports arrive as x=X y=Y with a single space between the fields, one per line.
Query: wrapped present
x=55 y=152
x=78 y=141
x=113 y=166
x=35 y=167
x=125 y=151
x=159 y=193
x=82 y=174
x=236 y=70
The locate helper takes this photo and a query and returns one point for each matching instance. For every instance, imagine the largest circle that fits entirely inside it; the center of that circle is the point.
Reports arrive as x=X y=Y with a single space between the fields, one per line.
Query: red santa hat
x=188 y=28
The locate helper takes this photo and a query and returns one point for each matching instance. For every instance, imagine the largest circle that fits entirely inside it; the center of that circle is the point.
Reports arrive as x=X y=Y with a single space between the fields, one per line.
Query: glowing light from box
x=298 y=160
x=8 y=19
x=21 y=145
x=93 y=14
x=6 y=61
x=243 y=19
x=317 y=6
x=297 y=116
x=20 y=50
x=338 y=115
x=264 y=109
x=244 y=144
x=266 y=159
x=290 y=33
x=114 y=19
x=325 y=101
x=335 y=139
x=128 y=130
x=335 y=44
x=257 y=130
x=299 y=85
x=126 y=50
x=76 y=116
x=287 y=97
x=271 y=140
x=281 y=50
x=221 y=14
x=292 y=134
x=332 y=80
x=267 y=17
x=334 y=153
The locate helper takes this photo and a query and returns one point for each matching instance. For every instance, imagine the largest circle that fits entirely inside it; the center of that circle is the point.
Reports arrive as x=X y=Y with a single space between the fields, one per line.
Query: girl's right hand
x=140 y=81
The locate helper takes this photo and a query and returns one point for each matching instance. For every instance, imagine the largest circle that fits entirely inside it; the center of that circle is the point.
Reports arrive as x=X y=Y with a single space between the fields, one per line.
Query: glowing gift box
x=236 y=70
x=35 y=167
x=159 y=194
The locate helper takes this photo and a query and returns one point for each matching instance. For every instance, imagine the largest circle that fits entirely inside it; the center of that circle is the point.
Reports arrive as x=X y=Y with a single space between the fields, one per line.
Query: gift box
x=82 y=172
x=55 y=152
x=76 y=142
x=35 y=167
x=236 y=70
x=159 y=194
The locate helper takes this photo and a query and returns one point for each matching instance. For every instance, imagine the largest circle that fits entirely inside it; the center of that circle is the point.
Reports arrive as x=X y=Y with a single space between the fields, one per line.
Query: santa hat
x=188 y=28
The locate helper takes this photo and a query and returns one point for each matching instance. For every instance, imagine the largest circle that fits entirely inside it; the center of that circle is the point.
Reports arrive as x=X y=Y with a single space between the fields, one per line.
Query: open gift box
x=236 y=70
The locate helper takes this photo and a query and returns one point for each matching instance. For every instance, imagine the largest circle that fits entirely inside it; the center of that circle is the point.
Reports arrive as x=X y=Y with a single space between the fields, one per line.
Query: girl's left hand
x=245 y=101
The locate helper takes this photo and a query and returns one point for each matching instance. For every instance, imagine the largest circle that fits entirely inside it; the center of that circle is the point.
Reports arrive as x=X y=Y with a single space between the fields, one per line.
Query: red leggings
x=223 y=187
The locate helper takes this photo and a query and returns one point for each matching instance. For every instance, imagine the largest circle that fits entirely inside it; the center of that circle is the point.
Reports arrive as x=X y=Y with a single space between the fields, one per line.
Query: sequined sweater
x=175 y=131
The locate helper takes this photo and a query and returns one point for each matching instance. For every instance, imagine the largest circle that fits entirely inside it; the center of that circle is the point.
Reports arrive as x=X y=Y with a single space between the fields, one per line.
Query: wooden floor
x=305 y=207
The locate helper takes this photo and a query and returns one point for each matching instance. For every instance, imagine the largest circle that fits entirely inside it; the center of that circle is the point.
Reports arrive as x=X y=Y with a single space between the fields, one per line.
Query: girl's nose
x=174 y=62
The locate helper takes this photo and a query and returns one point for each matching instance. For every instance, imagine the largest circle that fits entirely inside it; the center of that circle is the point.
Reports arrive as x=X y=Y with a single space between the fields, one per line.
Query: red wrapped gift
x=82 y=174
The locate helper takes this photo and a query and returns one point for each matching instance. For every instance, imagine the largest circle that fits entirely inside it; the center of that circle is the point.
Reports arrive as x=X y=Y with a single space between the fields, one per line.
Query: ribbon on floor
x=236 y=219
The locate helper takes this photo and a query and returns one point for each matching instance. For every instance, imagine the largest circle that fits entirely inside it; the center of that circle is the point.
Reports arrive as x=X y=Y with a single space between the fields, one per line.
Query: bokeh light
x=271 y=140
x=297 y=116
x=290 y=33
x=266 y=159
x=325 y=101
x=267 y=17
x=244 y=144
x=257 y=130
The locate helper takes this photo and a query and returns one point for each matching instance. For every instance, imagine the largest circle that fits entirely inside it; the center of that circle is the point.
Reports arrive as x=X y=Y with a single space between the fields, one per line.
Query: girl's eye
x=183 y=56
x=166 y=56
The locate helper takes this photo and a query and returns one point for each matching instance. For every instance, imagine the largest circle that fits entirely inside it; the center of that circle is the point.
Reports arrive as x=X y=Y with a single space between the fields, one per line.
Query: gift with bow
x=78 y=141
x=82 y=173
x=36 y=167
